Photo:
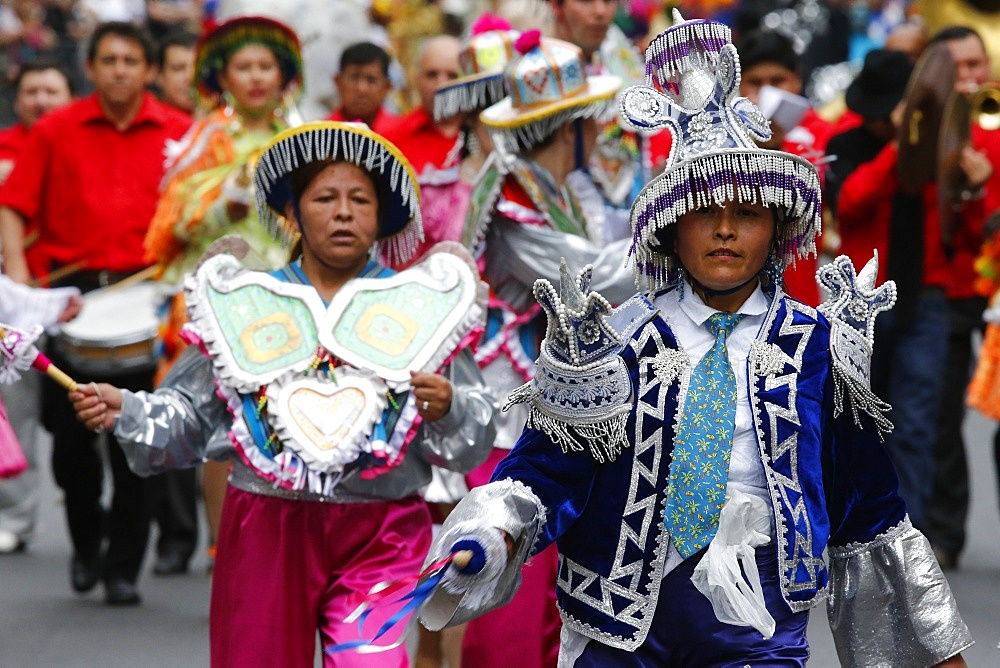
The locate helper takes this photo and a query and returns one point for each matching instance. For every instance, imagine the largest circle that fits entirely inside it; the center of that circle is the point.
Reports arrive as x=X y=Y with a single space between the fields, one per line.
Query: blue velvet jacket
x=830 y=480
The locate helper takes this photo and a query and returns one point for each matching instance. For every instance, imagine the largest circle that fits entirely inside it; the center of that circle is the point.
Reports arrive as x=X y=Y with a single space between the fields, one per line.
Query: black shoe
x=83 y=574
x=119 y=591
x=171 y=563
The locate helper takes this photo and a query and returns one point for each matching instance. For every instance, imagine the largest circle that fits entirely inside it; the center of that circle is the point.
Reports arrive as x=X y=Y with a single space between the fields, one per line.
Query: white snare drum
x=116 y=331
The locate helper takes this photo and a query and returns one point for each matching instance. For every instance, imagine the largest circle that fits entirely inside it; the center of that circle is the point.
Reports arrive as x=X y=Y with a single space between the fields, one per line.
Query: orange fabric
x=214 y=147
x=170 y=335
x=984 y=389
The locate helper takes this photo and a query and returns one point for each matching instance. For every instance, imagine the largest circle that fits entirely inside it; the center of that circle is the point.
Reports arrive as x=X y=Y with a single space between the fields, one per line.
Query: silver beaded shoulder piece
x=853 y=304
x=580 y=396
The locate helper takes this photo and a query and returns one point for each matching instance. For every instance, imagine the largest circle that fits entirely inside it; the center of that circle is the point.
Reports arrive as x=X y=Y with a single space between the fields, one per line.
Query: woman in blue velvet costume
x=694 y=452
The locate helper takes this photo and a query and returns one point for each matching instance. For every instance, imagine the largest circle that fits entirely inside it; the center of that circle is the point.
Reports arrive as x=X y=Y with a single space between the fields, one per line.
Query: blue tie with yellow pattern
x=703 y=445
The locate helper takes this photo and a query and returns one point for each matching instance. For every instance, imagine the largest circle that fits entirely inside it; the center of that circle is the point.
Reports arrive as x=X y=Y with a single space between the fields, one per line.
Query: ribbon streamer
x=378 y=596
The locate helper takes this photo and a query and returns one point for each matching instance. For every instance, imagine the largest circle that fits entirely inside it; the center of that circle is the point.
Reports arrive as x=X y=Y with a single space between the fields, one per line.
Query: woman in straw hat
x=690 y=452
x=325 y=370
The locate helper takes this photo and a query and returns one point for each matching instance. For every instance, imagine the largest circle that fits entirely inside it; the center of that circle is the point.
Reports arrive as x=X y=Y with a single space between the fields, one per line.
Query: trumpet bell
x=985 y=110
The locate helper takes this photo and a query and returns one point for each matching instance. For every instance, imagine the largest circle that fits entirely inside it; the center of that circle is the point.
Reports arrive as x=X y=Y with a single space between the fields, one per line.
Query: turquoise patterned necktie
x=703 y=444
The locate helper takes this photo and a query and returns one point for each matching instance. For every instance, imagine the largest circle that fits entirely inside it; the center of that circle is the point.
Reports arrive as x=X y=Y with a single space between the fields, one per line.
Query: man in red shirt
x=89 y=178
x=424 y=141
x=175 y=70
x=41 y=85
x=910 y=358
x=362 y=86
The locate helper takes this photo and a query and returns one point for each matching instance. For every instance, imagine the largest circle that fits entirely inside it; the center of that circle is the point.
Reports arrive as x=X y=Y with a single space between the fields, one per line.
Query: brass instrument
x=961 y=113
x=985 y=105
x=928 y=91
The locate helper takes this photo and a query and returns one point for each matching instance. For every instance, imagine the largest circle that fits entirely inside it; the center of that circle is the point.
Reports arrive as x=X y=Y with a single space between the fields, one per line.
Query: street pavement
x=43 y=624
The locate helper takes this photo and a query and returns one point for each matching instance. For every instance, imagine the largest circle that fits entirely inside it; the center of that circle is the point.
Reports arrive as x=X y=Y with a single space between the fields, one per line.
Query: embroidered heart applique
x=326 y=423
x=537 y=80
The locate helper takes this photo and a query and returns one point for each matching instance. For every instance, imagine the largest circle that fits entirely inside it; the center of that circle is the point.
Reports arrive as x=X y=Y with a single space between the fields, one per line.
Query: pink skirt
x=285 y=569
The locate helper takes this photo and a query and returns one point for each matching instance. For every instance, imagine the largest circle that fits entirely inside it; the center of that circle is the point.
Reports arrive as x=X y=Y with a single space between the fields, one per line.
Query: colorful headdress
x=484 y=54
x=216 y=46
x=692 y=89
x=400 y=228
x=547 y=87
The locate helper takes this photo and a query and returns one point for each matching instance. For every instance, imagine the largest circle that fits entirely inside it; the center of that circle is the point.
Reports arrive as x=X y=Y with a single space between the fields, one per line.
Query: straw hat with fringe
x=400 y=228
x=547 y=87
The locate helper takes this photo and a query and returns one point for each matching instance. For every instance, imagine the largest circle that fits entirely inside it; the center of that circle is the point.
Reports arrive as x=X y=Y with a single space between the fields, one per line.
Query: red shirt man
x=383 y=123
x=90 y=172
x=424 y=141
x=40 y=87
x=362 y=86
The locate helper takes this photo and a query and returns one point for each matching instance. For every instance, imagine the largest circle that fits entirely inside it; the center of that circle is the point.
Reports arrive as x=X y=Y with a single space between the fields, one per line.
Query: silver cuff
x=890 y=605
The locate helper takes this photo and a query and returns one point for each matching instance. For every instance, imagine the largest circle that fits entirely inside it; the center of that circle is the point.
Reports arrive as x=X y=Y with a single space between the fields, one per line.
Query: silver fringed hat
x=400 y=227
x=547 y=87
x=485 y=53
x=692 y=90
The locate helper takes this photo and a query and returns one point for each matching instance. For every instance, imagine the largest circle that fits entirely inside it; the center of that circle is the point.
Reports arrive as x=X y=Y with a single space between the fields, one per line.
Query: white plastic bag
x=744 y=523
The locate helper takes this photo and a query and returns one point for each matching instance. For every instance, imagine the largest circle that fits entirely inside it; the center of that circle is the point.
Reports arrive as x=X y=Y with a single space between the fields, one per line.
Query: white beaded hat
x=692 y=90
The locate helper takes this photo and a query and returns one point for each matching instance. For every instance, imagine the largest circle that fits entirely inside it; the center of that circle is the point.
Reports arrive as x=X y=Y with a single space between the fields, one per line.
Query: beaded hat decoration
x=216 y=46
x=400 y=227
x=692 y=90
x=547 y=87
x=487 y=50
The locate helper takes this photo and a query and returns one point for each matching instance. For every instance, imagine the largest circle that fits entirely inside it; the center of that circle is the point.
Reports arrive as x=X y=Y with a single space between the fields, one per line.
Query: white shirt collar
x=695 y=308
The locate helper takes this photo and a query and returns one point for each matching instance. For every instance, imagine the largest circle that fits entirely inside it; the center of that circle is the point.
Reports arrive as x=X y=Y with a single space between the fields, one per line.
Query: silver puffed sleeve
x=171 y=427
x=462 y=439
x=505 y=505
x=517 y=254
x=890 y=605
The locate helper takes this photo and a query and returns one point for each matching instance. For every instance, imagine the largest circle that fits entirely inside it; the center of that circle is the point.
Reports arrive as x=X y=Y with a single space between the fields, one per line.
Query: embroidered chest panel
x=775 y=370
x=627 y=592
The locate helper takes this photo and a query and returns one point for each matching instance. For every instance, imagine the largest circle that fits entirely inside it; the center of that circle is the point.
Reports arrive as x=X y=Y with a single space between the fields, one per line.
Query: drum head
x=116 y=330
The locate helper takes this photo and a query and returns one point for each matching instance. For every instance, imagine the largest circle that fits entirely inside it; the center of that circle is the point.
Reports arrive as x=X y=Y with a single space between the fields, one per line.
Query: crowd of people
x=358 y=337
